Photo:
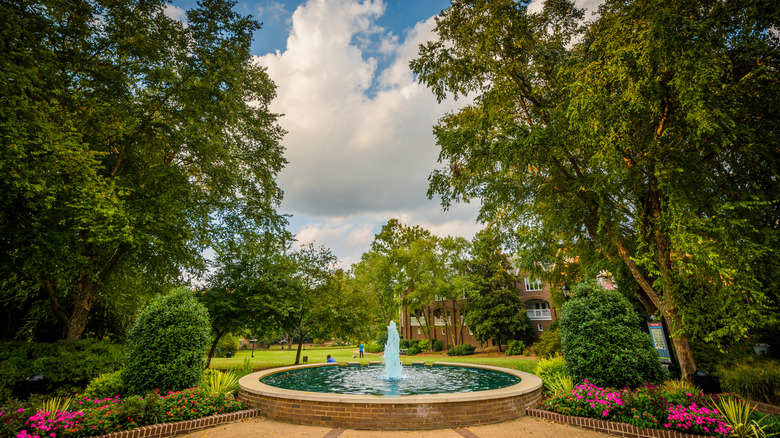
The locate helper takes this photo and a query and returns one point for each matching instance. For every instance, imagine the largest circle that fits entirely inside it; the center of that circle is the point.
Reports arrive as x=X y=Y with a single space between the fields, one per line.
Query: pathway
x=260 y=427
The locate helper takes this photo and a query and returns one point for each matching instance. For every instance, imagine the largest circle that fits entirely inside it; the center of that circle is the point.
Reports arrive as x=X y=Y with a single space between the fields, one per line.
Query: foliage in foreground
x=167 y=346
x=647 y=406
x=551 y=370
x=93 y=417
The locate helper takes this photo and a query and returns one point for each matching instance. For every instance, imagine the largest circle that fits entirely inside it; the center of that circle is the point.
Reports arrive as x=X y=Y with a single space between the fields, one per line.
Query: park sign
x=659 y=341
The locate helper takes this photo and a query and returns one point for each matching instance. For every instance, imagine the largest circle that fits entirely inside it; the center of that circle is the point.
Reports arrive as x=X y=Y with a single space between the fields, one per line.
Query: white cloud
x=175 y=13
x=359 y=142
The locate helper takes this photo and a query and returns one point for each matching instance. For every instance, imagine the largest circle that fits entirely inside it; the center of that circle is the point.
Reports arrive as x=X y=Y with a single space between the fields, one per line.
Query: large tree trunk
x=680 y=339
x=87 y=293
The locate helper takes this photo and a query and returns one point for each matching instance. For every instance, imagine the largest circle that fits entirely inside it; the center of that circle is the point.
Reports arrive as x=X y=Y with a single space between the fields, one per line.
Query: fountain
x=440 y=395
x=392 y=353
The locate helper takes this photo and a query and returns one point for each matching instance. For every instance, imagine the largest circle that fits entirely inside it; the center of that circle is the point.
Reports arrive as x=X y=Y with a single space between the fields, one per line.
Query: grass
x=276 y=357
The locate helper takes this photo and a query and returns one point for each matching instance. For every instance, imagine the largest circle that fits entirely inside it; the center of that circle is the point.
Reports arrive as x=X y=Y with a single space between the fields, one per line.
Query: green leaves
x=129 y=142
x=624 y=144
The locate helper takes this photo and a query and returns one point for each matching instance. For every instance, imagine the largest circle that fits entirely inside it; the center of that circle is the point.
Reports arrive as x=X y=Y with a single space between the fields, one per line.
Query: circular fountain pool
x=371 y=380
x=469 y=407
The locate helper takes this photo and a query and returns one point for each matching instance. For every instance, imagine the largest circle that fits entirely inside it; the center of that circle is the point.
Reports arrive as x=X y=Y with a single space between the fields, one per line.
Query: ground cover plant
x=93 y=417
x=669 y=407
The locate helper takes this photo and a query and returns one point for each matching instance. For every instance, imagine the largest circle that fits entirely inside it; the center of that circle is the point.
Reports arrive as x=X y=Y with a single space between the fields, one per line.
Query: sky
x=359 y=127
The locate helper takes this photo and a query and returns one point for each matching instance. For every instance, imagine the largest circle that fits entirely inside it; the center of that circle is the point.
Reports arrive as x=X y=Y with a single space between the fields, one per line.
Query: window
x=534 y=284
x=539 y=327
x=419 y=332
x=443 y=331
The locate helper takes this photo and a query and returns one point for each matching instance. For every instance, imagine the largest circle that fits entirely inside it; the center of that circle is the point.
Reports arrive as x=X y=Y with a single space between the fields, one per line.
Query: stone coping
x=529 y=383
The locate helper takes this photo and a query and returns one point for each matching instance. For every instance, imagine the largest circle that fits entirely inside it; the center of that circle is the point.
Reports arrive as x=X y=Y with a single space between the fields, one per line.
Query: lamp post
x=566 y=292
x=253 y=342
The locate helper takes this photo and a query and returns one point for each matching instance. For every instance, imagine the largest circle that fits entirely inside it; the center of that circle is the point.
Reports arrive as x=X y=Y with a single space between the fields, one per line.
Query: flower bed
x=89 y=417
x=645 y=407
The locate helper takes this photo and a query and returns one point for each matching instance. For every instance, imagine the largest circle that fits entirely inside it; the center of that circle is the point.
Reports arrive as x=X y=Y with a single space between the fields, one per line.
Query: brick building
x=443 y=321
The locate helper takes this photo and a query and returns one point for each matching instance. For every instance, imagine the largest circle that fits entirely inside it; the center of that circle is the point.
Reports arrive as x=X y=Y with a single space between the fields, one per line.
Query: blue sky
x=360 y=145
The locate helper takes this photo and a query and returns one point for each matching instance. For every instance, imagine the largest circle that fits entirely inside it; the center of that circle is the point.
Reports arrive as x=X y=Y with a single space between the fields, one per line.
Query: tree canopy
x=647 y=137
x=129 y=143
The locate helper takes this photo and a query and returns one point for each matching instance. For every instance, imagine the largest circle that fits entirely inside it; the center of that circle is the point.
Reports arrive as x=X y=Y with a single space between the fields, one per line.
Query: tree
x=494 y=309
x=452 y=282
x=636 y=139
x=308 y=295
x=128 y=142
x=242 y=292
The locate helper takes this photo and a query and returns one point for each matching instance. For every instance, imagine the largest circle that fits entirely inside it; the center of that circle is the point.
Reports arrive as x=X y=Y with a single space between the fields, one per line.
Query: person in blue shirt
x=330 y=360
x=361 y=349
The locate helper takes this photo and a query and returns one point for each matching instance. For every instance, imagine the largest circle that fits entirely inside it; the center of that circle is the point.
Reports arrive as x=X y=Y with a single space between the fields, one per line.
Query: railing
x=417 y=321
x=539 y=314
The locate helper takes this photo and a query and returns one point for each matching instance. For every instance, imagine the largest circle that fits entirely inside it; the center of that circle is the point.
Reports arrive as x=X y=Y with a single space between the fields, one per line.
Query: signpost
x=659 y=341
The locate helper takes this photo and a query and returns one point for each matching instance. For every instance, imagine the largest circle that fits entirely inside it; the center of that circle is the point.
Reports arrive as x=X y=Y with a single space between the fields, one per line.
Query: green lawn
x=276 y=357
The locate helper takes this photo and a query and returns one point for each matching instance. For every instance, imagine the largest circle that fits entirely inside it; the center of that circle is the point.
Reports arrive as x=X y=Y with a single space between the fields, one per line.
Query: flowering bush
x=647 y=406
x=89 y=417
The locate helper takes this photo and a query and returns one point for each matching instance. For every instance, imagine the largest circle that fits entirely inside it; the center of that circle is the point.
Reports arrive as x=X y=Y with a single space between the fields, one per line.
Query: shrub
x=551 y=371
x=414 y=342
x=757 y=380
x=105 y=385
x=461 y=350
x=227 y=344
x=381 y=338
x=424 y=345
x=515 y=347
x=602 y=342
x=646 y=406
x=167 y=345
x=218 y=381
x=64 y=363
x=437 y=345
x=403 y=343
x=549 y=342
x=411 y=351
x=374 y=348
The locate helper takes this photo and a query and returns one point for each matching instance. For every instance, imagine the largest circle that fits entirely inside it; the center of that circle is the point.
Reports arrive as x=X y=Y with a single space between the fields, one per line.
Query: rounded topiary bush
x=167 y=346
x=105 y=385
x=603 y=343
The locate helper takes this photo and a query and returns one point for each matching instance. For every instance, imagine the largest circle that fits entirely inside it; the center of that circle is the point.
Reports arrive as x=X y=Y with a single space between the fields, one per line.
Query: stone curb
x=609 y=427
x=164 y=430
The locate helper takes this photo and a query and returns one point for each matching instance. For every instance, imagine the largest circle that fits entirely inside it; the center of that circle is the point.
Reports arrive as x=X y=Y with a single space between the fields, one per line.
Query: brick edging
x=609 y=427
x=164 y=430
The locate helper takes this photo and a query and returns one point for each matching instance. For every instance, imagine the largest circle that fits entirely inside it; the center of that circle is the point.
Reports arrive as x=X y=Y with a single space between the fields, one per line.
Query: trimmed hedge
x=167 y=346
x=63 y=363
x=602 y=342
x=461 y=350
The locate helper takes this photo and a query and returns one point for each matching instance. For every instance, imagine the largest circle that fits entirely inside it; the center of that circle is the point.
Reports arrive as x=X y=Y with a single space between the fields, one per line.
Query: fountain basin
x=409 y=412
